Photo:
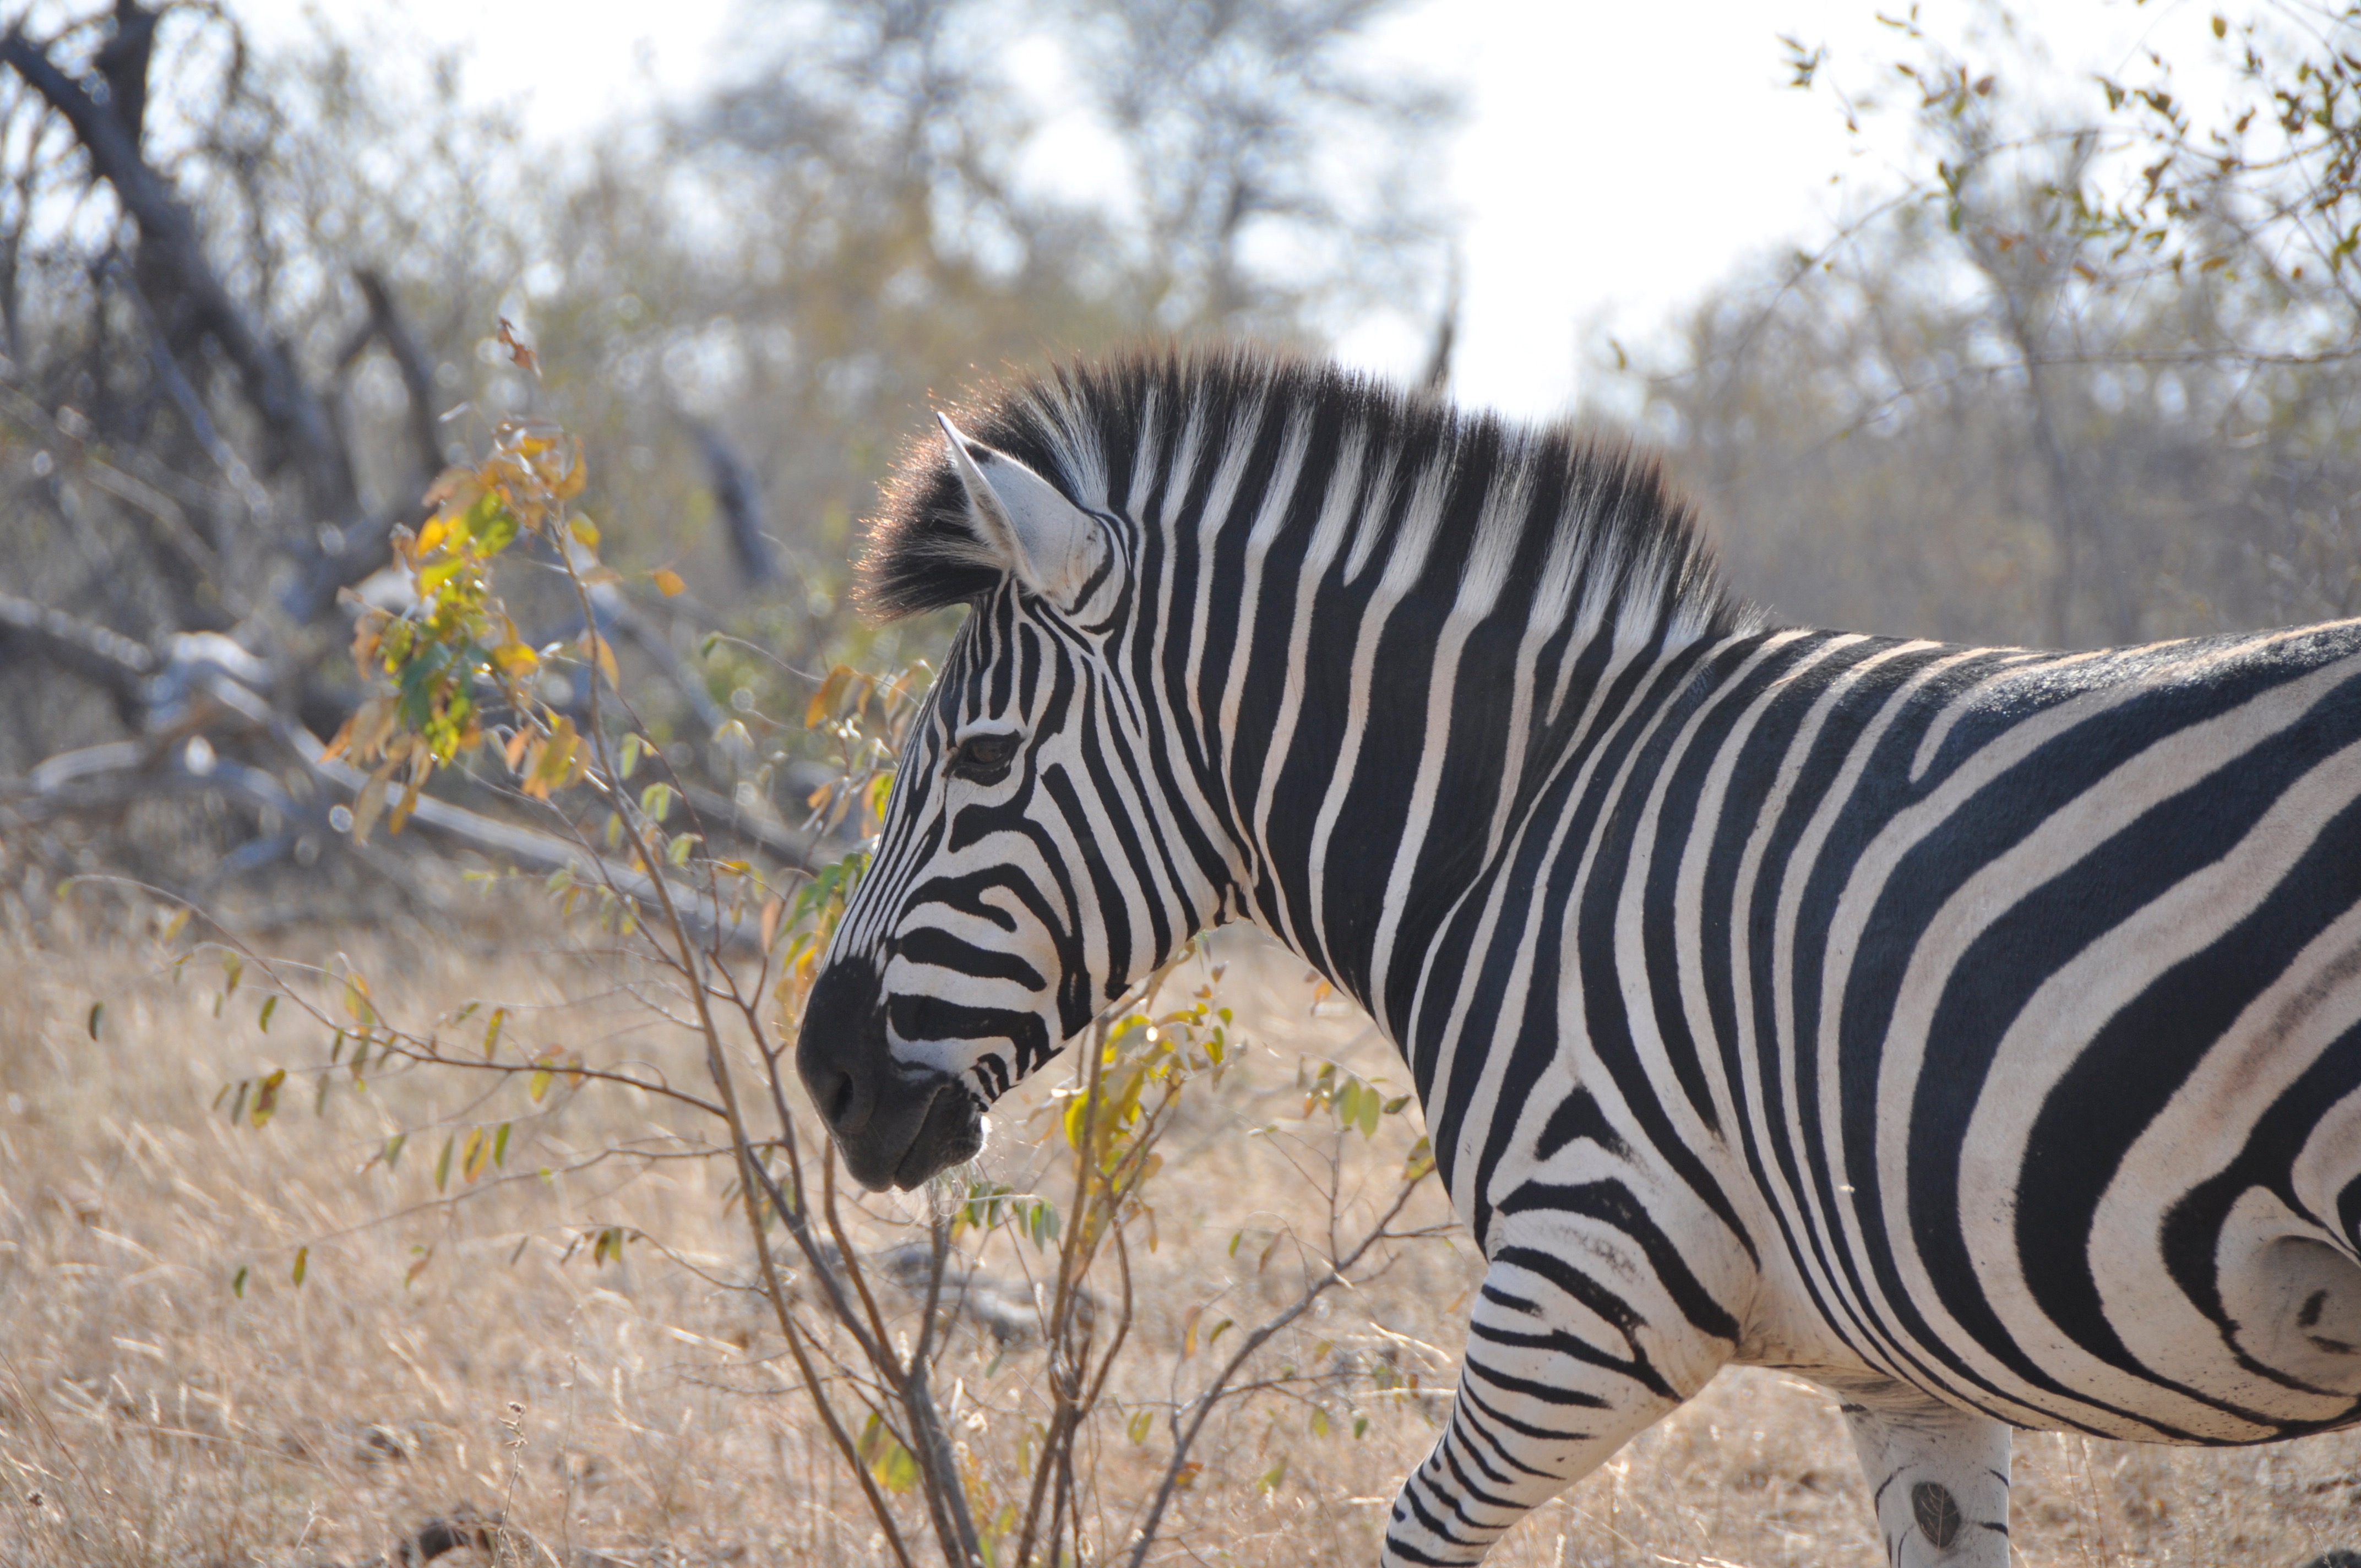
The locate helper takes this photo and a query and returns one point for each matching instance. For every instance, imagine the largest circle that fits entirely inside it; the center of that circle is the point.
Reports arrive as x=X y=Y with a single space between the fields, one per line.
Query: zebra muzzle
x=895 y=1125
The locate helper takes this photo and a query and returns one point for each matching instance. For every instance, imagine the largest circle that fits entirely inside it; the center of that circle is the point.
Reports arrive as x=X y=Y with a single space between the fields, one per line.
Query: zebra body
x=1974 y=1031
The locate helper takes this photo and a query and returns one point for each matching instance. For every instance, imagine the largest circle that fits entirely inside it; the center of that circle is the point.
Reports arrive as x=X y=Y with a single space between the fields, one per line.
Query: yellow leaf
x=266 y=1097
x=602 y=652
x=515 y=658
x=823 y=703
x=455 y=488
x=369 y=637
x=668 y=582
x=371 y=800
x=553 y=759
x=373 y=728
x=583 y=528
x=341 y=739
x=356 y=1000
x=421 y=764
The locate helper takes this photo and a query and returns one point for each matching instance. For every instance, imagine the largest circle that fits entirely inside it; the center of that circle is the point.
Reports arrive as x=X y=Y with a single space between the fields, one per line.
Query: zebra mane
x=1587 y=512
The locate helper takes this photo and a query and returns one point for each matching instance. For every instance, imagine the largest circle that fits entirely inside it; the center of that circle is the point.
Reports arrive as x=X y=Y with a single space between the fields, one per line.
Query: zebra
x=1974 y=1032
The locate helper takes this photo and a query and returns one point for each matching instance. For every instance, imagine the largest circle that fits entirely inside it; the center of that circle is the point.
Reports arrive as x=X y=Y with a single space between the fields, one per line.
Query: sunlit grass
x=441 y=1356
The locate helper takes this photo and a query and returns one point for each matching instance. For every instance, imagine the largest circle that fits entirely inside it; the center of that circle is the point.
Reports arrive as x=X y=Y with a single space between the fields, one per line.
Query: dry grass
x=638 y=1413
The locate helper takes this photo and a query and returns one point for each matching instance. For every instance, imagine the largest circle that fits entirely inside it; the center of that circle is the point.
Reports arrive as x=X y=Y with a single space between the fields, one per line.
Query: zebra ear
x=1042 y=539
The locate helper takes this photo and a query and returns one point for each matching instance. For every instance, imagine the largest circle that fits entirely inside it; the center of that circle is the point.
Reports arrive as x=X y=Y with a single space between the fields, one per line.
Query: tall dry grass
x=442 y=1355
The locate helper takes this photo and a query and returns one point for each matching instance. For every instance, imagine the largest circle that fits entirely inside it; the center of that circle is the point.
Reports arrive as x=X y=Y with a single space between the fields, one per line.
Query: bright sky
x=1617 y=158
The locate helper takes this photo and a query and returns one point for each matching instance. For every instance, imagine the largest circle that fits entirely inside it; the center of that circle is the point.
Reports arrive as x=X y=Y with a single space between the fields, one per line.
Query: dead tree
x=199 y=468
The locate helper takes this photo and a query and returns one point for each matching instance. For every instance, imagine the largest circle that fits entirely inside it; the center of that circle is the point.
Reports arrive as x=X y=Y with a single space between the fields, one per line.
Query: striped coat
x=1976 y=1031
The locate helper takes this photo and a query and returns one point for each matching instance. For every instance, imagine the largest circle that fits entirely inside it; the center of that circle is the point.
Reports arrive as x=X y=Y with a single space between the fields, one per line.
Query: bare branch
x=391 y=326
x=168 y=231
x=185 y=399
x=739 y=496
x=106 y=658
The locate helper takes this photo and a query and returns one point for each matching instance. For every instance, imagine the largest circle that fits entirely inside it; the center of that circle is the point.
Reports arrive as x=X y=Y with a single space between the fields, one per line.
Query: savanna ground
x=442 y=1355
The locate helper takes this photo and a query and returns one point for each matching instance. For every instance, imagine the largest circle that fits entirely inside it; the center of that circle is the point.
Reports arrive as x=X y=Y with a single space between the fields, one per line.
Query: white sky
x=1617 y=158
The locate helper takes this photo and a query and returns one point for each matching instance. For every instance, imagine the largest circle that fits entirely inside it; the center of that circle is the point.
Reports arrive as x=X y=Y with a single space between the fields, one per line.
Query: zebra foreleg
x=1938 y=1476
x=1539 y=1406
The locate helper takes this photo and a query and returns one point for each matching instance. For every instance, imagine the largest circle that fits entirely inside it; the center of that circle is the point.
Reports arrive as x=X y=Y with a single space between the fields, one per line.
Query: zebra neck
x=1379 y=789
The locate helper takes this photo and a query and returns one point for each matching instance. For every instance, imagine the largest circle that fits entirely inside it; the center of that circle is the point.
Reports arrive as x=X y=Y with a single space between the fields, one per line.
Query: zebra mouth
x=950 y=1133
x=896 y=1124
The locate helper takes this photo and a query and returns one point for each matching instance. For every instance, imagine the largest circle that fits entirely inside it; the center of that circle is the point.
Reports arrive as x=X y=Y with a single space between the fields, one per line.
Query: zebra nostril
x=839 y=1099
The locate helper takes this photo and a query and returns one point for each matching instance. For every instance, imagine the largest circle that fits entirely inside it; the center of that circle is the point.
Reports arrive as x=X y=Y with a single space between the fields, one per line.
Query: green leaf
x=629 y=762
x=501 y=1146
x=270 y=1005
x=887 y=1459
x=1140 y=1425
x=492 y=1031
x=394 y=1149
x=655 y=802
x=98 y=1011
x=443 y=1164
x=302 y=1262
x=237 y=1283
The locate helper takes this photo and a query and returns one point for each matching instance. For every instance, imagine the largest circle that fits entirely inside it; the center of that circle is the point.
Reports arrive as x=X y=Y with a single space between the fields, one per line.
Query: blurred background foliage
x=2080 y=371
x=2084 y=374
x=253 y=303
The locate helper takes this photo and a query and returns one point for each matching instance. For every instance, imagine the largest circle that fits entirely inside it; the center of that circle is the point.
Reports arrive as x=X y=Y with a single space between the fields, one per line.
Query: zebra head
x=1012 y=894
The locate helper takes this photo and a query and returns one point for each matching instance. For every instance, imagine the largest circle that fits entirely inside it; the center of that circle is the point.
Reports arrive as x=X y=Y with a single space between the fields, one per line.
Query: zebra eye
x=984 y=759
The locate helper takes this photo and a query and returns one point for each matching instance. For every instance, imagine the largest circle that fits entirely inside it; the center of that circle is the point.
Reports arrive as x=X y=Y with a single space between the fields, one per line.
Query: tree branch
x=739 y=497
x=170 y=230
x=416 y=366
x=106 y=658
